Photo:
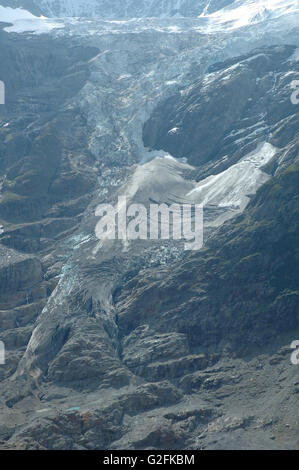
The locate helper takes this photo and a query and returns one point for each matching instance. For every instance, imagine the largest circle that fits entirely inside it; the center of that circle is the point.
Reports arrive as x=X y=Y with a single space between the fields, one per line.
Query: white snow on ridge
x=232 y=187
x=10 y=15
x=23 y=21
x=241 y=13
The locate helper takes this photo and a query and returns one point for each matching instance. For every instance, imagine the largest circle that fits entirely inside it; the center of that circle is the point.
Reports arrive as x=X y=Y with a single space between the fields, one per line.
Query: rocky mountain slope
x=148 y=345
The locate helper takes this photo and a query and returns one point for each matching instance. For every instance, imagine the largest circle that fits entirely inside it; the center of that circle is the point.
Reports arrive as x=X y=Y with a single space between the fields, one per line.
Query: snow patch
x=174 y=130
x=234 y=186
x=241 y=14
x=23 y=21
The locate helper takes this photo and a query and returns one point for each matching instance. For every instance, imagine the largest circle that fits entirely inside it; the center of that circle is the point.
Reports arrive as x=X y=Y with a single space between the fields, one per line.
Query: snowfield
x=242 y=14
x=23 y=21
x=233 y=186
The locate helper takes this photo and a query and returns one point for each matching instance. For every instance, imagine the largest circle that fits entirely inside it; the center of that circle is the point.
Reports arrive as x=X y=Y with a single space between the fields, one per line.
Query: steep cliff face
x=147 y=345
x=229 y=111
x=45 y=184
